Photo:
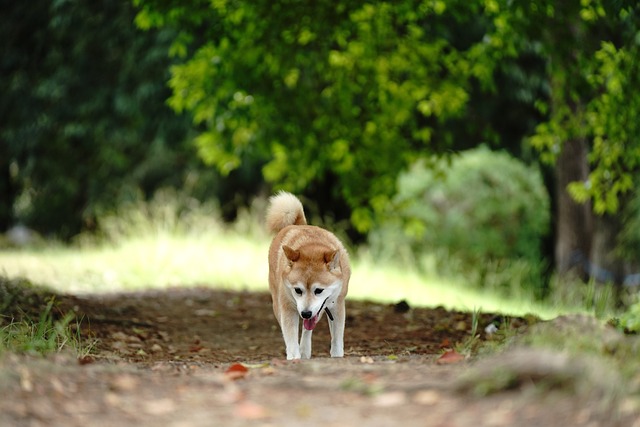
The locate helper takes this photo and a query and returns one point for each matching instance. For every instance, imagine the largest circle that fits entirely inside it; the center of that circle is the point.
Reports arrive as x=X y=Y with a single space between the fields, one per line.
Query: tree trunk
x=574 y=226
x=606 y=266
x=7 y=193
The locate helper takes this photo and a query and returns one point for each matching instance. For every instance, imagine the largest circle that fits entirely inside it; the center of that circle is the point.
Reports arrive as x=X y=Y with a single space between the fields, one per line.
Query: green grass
x=44 y=335
x=173 y=240
x=230 y=260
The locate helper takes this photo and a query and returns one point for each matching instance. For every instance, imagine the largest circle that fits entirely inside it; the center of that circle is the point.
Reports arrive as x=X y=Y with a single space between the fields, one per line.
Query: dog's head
x=314 y=278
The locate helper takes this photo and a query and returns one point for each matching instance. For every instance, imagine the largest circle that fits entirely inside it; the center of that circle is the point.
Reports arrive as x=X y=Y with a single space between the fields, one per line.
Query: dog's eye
x=298 y=291
x=318 y=291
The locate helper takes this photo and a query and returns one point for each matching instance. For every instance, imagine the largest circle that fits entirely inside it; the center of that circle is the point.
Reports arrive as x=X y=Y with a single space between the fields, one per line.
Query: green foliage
x=487 y=207
x=37 y=337
x=327 y=98
x=591 y=297
x=593 y=70
x=167 y=213
x=31 y=323
x=347 y=92
x=612 y=117
x=630 y=319
x=628 y=239
x=84 y=119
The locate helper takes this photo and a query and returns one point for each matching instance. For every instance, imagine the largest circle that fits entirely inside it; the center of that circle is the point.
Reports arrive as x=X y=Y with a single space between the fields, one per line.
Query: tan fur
x=284 y=209
x=311 y=261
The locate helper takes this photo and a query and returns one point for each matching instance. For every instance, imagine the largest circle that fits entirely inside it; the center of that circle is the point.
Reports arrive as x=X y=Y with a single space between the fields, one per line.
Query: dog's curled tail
x=284 y=209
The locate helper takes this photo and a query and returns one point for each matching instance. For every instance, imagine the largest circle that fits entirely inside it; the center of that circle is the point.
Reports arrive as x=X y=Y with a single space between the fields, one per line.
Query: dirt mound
x=202 y=357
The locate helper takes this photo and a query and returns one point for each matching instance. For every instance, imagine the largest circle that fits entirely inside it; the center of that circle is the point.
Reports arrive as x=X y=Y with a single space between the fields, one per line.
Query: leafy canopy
x=487 y=206
x=349 y=92
x=592 y=48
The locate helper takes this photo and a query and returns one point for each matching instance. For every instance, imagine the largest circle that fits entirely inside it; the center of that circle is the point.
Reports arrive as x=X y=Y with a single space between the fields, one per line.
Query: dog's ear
x=332 y=259
x=292 y=254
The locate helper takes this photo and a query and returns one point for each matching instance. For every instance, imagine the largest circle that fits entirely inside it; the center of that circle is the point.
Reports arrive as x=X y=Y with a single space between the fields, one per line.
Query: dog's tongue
x=309 y=324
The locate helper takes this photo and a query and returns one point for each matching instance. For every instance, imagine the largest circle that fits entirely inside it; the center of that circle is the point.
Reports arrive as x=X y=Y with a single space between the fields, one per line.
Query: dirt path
x=178 y=358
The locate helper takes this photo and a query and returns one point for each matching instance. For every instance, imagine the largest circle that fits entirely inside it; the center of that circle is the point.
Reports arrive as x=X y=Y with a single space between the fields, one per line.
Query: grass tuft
x=40 y=336
x=30 y=322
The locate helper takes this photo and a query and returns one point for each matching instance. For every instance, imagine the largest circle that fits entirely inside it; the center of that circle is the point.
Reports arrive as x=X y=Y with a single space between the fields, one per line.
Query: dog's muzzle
x=310 y=321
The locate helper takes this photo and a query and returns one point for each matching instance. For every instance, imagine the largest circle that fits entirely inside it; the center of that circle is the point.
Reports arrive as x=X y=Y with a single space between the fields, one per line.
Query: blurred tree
x=592 y=134
x=347 y=94
x=332 y=99
x=486 y=207
x=22 y=32
x=84 y=120
x=341 y=95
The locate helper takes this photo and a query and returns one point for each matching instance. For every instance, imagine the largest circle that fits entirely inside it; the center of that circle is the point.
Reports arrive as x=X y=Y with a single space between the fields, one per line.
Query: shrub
x=630 y=319
x=169 y=212
x=479 y=207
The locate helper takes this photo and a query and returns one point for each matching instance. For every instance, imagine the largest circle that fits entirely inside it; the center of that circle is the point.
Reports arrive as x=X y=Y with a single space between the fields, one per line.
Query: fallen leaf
x=427 y=397
x=124 y=382
x=256 y=365
x=284 y=362
x=251 y=411
x=119 y=336
x=25 y=380
x=448 y=357
x=445 y=343
x=112 y=399
x=461 y=326
x=57 y=385
x=119 y=345
x=86 y=359
x=159 y=406
x=141 y=333
x=236 y=371
x=205 y=312
x=390 y=399
x=269 y=370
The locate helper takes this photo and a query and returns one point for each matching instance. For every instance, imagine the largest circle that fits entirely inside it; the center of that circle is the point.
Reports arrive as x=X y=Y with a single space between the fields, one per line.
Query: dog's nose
x=306 y=314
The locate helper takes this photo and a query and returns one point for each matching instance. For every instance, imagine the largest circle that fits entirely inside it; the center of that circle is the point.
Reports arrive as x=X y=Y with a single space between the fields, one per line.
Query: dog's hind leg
x=305 y=344
x=336 y=327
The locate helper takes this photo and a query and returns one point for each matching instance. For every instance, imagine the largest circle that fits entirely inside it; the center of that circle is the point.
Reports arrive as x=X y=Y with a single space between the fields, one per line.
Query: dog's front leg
x=289 y=324
x=305 y=344
x=336 y=327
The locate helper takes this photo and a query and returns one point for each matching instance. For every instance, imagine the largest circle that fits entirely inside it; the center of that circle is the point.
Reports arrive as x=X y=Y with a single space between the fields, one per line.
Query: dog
x=309 y=275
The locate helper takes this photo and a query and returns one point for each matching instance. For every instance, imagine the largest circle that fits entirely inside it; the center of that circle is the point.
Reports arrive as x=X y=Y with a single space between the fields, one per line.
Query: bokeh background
x=489 y=145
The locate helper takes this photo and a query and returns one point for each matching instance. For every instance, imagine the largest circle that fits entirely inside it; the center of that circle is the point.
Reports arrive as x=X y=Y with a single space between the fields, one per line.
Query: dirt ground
x=203 y=357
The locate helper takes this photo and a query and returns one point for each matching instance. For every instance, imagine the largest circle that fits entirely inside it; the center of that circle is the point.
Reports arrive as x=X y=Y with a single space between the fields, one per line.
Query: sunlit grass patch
x=44 y=335
x=147 y=262
x=390 y=283
x=229 y=260
x=175 y=241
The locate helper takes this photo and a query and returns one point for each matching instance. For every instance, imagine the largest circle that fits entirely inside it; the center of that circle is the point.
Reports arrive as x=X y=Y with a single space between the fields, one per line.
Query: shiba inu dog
x=308 y=276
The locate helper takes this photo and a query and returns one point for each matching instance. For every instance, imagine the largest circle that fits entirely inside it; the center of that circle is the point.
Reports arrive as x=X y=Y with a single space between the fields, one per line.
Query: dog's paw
x=293 y=356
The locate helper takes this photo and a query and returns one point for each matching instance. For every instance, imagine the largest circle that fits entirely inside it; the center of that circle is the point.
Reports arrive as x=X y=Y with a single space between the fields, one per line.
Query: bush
x=169 y=212
x=478 y=207
x=630 y=319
